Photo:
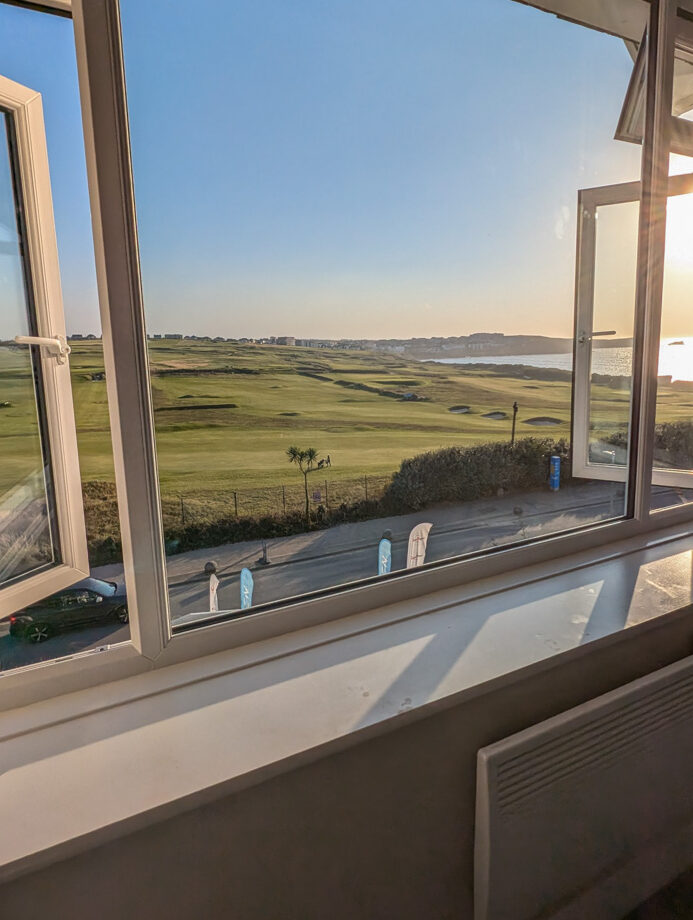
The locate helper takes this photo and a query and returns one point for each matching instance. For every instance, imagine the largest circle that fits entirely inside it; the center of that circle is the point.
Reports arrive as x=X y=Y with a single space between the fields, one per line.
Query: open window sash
x=675 y=82
x=43 y=546
x=596 y=455
x=631 y=123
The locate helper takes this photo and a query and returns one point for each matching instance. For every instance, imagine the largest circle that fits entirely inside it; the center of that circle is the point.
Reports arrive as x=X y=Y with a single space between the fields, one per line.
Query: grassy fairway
x=281 y=404
x=225 y=413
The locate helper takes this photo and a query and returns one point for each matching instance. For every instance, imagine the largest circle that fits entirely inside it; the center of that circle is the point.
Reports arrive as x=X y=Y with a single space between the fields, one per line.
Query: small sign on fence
x=317 y=495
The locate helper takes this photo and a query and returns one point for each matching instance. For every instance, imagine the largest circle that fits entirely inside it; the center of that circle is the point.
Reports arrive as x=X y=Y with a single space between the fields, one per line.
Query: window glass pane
x=673 y=440
x=37 y=50
x=27 y=525
x=357 y=227
x=611 y=366
x=682 y=95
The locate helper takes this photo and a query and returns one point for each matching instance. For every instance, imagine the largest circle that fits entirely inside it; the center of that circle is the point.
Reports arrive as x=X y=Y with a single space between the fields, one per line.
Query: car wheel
x=122 y=614
x=38 y=632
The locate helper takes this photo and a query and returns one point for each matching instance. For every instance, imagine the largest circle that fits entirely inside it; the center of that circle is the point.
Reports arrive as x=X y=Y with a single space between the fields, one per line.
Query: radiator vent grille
x=592 y=746
x=562 y=804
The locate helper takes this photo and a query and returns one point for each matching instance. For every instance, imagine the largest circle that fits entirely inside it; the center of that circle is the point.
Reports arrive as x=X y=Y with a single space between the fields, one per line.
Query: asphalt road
x=340 y=555
x=349 y=553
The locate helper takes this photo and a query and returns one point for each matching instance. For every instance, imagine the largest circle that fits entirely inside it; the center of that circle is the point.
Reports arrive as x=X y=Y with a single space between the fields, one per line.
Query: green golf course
x=226 y=413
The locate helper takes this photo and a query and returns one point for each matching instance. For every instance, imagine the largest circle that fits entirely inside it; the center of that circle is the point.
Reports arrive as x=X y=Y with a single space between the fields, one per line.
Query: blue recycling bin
x=555 y=473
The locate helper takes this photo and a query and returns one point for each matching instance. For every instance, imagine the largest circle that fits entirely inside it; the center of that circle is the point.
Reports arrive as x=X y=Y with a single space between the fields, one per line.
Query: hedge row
x=673 y=443
x=461 y=474
x=238 y=530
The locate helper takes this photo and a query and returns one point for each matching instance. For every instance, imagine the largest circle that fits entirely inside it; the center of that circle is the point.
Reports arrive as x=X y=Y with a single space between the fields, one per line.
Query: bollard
x=555 y=473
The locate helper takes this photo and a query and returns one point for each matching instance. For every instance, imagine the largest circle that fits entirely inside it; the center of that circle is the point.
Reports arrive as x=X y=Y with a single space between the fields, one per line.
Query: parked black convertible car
x=87 y=603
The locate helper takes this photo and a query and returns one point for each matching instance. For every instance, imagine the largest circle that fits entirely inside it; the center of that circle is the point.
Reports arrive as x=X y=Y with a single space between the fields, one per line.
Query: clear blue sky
x=365 y=168
x=38 y=50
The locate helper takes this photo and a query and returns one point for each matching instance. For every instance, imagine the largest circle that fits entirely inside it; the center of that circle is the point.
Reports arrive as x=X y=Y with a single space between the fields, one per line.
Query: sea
x=675 y=360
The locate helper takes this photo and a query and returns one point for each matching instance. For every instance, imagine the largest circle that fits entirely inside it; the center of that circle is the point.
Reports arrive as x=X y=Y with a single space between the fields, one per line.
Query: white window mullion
x=102 y=88
x=652 y=225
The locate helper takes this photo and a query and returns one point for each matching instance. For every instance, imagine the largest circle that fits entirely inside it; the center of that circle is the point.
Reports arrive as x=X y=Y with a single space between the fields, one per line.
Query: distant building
x=286 y=340
x=76 y=337
x=173 y=335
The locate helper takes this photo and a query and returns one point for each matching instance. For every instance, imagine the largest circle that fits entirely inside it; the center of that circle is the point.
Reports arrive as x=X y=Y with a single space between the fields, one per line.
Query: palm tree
x=306 y=461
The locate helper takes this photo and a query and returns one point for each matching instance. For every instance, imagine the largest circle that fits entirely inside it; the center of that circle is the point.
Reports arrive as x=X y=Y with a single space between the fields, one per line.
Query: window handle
x=588 y=336
x=56 y=346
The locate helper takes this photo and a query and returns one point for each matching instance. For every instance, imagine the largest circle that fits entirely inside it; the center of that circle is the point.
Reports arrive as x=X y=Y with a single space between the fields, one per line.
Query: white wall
x=382 y=831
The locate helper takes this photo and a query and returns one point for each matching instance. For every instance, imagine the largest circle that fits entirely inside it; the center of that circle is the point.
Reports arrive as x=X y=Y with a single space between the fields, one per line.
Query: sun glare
x=679 y=245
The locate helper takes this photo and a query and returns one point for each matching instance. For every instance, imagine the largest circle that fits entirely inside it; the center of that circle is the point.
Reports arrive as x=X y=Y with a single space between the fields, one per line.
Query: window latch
x=56 y=346
x=588 y=336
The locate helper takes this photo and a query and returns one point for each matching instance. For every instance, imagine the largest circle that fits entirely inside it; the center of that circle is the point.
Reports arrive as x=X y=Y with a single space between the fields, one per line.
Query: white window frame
x=23 y=107
x=589 y=201
x=665 y=133
x=152 y=645
x=630 y=123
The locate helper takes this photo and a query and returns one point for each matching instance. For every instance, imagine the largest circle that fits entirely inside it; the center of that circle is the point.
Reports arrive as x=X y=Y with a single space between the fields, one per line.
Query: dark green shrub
x=234 y=530
x=460 y=474
x=105 y=552
x=673 y=444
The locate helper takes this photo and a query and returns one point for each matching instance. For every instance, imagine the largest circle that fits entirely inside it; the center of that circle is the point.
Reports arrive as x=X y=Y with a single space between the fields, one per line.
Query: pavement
x=339 y=555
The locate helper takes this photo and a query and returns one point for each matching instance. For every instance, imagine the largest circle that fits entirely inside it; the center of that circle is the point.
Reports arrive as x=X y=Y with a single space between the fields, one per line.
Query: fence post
x=284 y=498
x=327 y=499
x=235 y=502
x=365 y=483
x=182 y=509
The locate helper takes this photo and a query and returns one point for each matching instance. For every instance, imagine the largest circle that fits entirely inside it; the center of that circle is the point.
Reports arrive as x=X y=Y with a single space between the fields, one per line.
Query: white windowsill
x=150 y=746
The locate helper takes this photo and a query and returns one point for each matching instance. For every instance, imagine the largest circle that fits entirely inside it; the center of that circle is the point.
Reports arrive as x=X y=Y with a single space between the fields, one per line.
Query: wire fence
x=207 y=506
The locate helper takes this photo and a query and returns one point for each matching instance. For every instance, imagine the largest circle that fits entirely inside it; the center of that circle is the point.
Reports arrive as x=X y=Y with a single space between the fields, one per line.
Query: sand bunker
x=459 y=410
x=496 y=416
x=542 y=420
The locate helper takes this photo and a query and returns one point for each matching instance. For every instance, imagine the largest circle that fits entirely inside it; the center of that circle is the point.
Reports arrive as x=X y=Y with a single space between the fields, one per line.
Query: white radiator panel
x=569 y=801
